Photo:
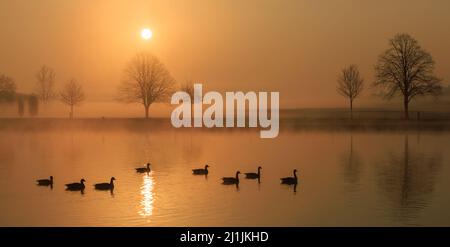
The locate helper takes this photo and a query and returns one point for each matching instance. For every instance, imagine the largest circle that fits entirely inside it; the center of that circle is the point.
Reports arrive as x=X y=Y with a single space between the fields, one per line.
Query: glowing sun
x=146 y=33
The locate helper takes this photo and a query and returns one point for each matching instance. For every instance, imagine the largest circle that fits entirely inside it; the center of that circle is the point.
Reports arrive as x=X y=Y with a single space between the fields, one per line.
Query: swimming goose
x=232 y=180
x=45 y=182
x=105 y=186
x=200 y=171
x=143 y=169
x=76 y=186
x=290 y=180
x=252 y=175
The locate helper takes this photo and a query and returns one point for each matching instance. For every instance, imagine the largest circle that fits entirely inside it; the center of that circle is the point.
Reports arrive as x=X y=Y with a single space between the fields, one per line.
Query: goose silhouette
x=76 y=186
x=105 y=186
x=232 y=180
x=45 y=182
x=201 y=171
x=253 y=175
x=290 y=180
x=143 y=169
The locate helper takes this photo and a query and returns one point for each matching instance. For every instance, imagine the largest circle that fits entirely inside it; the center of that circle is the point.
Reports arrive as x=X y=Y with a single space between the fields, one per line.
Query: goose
x=105 y=186
x=290 y=180
x=45 y=182
x=232 y=180
x=252 y=175
x=201 y=171
x=76 y=186
x=143 y=169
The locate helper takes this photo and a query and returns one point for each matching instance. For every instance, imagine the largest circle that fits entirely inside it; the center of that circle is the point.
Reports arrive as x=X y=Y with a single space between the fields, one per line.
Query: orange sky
x=295 y=47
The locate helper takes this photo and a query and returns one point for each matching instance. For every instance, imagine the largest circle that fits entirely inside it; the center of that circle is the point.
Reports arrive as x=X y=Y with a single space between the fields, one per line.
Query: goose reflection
x=147 y=196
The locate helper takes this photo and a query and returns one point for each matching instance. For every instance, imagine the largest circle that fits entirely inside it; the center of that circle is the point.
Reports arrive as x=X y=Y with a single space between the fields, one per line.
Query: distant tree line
x=404 y=69
x=72 y=93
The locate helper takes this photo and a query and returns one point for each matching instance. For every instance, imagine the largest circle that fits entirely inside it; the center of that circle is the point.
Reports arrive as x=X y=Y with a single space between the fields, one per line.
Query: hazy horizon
x=295 y=47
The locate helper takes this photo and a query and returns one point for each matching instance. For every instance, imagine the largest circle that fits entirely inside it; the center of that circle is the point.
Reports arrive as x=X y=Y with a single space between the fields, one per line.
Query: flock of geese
x=201 y=171
x=250 y=175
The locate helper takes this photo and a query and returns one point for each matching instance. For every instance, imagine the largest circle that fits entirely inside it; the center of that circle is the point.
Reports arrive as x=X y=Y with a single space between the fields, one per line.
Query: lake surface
x=366 y=178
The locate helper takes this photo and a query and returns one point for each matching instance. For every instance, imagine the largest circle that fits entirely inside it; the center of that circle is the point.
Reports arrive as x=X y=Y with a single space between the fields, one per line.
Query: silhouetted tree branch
x=407 y=69
x=146 y=81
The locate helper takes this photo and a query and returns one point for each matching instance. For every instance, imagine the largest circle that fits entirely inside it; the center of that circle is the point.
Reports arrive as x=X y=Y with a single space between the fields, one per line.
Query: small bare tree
x=45 y=84
x=146 y=81
x=350 y=85
x=72 y=95
x=407 y=69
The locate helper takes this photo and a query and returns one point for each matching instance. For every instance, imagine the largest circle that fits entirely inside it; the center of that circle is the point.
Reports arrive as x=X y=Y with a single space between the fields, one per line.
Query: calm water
x=346 y=179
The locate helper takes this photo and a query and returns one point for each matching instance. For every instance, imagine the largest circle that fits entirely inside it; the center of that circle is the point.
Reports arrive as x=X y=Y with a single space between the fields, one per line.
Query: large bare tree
x=146 y=81
x=350 y=84
x=406 y=69
x=72 y=95
x=45 y=84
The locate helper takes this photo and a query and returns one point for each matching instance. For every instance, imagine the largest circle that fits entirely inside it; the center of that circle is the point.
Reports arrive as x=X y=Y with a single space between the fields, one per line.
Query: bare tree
x=45 y=84
x=407 y=69
x=72 y=95
x=350 y=85
x=7 y=89
x=146 y=81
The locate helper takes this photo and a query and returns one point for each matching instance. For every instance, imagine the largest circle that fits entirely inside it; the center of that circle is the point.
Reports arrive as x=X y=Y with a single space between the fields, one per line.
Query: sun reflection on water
x=147 y=196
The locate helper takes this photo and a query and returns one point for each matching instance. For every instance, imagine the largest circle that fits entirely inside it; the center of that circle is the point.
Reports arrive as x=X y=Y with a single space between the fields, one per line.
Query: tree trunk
x=146 y=111
x=71 y=111
x=351 y=109
x=406 y=105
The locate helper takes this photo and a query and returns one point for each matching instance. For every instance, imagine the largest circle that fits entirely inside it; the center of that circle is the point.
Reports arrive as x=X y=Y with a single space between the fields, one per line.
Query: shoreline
x=140 y=124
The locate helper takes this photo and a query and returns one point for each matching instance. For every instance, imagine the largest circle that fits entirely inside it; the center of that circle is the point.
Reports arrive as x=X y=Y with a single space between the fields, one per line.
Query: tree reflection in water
x=351 y=163
x=407 y=181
